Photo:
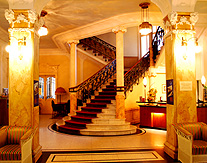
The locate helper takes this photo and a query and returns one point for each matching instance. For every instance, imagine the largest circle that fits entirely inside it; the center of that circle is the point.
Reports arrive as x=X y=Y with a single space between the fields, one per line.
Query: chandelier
x=145 y=28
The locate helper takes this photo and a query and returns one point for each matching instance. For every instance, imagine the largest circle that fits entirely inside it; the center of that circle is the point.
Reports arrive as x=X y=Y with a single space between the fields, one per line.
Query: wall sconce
x=21 y=45
x=43 y=31
x=184 y=45
x=145 y=28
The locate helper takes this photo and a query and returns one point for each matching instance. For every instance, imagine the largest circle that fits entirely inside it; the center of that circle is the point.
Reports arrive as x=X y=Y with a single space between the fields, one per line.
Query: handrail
x=135 y=72
x=104 y=43
x=132 y=76
x=87 y=87
x=146 y=55
x=99 y=46
x=157 y=42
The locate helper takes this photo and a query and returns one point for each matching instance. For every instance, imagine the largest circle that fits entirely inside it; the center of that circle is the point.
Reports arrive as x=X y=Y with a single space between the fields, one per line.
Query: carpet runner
x=98 y=117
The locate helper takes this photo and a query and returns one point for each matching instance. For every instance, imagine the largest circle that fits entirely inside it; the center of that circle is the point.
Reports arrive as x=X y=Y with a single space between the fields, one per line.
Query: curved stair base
x=98 y=117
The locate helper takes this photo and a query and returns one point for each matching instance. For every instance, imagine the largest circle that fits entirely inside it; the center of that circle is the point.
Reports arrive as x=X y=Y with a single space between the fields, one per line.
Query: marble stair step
x=109 y=111
x=69 y=130
x=81 y=119
x=75 y=124
x=106 y=97
x=97 y=132
x=108 y=101
x=92 y=109
x=108 y=126
x=108 y=121
x=106 y=115
x=87 y=114
x=101 y=105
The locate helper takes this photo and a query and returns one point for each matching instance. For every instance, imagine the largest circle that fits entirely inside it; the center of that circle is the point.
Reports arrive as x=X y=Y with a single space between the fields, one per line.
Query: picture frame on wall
x=36 y=92
x=170 y=92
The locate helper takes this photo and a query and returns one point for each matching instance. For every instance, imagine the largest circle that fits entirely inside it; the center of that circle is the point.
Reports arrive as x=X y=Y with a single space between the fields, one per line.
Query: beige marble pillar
x=120 y=98
x=180 y=69
x=24 y=72
x=73 y=74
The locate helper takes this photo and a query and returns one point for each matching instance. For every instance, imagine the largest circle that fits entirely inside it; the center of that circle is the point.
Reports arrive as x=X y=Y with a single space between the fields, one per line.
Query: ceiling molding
x=104 y=26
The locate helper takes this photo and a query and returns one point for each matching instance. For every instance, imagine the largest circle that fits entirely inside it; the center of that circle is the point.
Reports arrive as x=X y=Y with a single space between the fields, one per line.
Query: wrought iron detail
x=157 y=42
x=89 y=86
x=132 y=76
x=103 y=43
x=99 y=47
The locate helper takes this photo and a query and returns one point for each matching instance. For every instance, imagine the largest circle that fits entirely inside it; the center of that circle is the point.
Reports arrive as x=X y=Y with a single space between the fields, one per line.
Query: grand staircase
x=97 y=116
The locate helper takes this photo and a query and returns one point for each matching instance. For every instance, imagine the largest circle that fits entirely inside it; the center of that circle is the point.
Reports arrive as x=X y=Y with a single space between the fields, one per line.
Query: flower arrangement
x=151 y=95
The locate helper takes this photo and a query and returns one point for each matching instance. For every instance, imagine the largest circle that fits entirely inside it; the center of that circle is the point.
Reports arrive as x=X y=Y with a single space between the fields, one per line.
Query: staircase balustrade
x=133 y=75
x=157 y=42
x=92 y=84
x=100 y=47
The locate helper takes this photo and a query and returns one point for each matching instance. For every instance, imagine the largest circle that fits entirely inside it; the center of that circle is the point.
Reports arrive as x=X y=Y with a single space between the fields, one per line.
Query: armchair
x=192 y=141
x=16 y=144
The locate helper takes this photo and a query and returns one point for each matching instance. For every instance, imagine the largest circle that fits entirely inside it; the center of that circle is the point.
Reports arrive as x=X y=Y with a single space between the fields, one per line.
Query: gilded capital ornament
x=73 y=41
x=119 y=29
x=183 y=22
x=15 y=17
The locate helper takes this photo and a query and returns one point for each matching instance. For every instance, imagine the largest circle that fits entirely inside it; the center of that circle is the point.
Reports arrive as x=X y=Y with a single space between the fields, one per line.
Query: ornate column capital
x=119 y=29
x=21 y=18
x=178 y=22
x=73 y=41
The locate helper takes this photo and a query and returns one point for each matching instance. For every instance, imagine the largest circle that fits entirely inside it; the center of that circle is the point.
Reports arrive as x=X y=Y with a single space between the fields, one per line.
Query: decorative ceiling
x=64 y=15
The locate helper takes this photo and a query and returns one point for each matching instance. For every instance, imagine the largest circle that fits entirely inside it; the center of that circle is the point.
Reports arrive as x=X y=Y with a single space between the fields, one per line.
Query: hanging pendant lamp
x=145 y=28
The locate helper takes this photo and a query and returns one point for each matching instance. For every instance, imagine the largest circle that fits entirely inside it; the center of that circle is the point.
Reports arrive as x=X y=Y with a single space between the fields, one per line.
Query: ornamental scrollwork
x=9 y=15
x=174 y=20
x=194 y=18
x=32 y=16
x=173 y=16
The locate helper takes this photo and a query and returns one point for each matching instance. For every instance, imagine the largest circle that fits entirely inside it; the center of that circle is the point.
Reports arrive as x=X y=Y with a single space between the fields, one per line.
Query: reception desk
x=154 y=115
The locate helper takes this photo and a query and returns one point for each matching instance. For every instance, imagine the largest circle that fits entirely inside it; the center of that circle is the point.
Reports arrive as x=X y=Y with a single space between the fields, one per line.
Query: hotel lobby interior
x=109 y=81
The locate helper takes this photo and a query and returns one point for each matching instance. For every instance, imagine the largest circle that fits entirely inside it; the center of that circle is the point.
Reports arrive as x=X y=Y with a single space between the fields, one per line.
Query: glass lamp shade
x=43 y=31
x=145 y=28
x=145 y=81
x=203 y=80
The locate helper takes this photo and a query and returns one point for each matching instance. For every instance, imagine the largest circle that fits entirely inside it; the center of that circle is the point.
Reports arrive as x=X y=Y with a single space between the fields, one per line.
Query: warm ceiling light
x=203 y=80
x=43 y=31
x=145 y=28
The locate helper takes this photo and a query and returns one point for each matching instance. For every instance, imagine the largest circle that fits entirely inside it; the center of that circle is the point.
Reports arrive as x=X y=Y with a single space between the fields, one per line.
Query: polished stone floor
x=54 y=142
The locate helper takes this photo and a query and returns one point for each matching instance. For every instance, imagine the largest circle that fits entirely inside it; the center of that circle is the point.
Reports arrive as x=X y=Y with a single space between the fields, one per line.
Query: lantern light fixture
x=145 y=28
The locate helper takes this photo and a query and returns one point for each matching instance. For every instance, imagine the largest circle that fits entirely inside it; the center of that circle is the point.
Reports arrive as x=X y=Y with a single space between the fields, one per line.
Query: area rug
x=98 y=157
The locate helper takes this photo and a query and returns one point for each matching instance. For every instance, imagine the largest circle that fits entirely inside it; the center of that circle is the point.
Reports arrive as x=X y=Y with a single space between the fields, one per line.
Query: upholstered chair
x=16 y=144
x=192 y=142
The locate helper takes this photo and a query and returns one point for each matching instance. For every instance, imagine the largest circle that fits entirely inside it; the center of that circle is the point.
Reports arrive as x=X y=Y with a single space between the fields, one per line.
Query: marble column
x=24 y=72
x=180 y=72
x=120 y=98
x=73 y=75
